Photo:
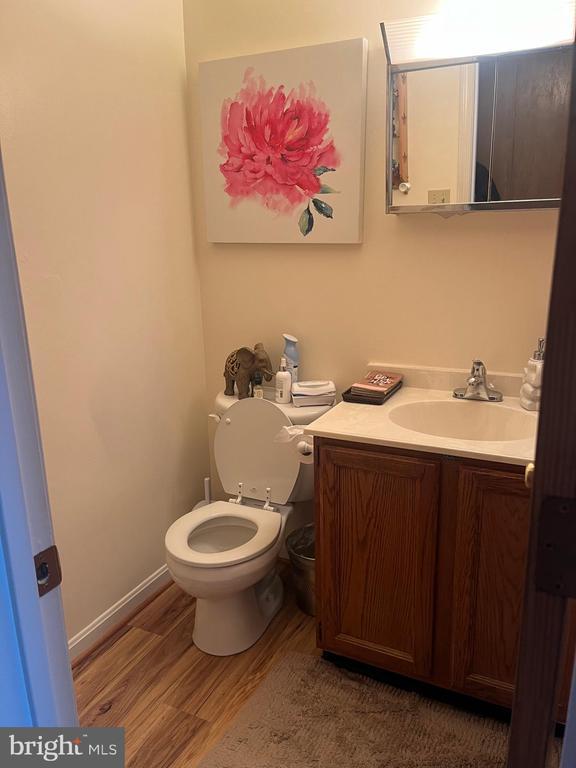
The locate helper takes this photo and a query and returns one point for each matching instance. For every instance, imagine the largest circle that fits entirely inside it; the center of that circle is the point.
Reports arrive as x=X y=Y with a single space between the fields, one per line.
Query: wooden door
x=530 y=124
x=377 y=522
x=493 y=524
x=545 y=601
x=523 y=105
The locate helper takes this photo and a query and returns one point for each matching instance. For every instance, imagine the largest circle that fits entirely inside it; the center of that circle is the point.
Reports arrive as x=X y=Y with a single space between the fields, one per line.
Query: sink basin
x=465 y=420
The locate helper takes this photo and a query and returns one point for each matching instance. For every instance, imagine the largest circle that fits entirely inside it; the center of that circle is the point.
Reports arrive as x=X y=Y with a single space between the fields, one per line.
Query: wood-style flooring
x=173 y=700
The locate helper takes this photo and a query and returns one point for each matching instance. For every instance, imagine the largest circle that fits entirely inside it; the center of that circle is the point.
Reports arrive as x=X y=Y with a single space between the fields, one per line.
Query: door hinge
x=48 y=571
x=555 y=559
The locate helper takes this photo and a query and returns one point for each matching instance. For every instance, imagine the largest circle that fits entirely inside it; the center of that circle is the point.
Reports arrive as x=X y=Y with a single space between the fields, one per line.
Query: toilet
x=224 y=553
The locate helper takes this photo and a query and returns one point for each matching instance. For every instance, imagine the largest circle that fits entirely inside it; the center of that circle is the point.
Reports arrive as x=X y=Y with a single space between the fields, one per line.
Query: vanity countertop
x=436 y=411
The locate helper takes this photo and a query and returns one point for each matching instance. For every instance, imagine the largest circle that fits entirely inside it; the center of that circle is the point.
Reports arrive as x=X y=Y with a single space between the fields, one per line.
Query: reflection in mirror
x=490 y=131
x=529 y=94
x=434 y=133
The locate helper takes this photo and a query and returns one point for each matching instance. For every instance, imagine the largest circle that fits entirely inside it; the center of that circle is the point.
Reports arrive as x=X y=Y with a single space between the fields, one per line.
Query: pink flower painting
x=277 y=149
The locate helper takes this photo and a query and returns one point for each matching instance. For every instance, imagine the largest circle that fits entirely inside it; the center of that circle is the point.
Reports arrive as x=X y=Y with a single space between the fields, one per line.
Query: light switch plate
x=438 y=196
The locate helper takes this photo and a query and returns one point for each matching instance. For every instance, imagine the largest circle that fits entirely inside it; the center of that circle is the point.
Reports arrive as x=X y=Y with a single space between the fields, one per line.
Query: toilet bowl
x=224 y=553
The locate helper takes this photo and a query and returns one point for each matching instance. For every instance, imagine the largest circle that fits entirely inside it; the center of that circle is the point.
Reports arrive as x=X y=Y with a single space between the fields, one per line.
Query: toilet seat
x=267 y=526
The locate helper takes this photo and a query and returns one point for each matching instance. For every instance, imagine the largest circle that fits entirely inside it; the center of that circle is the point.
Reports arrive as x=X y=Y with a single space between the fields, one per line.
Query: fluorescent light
x=467 y=28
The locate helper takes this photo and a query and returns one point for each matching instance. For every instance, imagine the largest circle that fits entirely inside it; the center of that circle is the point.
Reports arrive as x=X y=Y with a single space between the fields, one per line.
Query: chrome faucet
x=476 y=387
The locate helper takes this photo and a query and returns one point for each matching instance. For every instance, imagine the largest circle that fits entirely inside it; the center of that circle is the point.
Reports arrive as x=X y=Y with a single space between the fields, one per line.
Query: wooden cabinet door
x=493 y=524
x=376 y=517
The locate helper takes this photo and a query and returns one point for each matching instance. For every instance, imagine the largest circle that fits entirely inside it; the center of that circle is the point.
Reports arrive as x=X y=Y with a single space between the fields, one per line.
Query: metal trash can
x=301 y=551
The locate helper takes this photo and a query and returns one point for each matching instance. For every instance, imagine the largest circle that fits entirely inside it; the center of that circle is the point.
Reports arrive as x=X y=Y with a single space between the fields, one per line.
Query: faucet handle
x=478 y=368
x=477 y=387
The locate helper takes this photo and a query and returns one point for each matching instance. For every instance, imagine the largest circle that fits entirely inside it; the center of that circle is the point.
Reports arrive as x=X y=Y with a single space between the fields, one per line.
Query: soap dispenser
x=531 y=388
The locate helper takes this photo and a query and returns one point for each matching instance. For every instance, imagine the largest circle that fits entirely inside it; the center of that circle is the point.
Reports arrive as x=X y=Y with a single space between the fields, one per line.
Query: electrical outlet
x=438 y=196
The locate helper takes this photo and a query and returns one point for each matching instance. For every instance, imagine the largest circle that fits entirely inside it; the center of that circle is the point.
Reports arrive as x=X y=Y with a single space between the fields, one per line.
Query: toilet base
x=227 y=625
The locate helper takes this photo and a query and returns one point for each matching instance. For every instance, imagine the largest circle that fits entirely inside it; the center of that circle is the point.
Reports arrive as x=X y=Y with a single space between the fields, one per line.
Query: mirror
x=483 y=134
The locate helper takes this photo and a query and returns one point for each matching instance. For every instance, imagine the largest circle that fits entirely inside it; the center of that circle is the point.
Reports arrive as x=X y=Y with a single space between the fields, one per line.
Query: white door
x=35 y=676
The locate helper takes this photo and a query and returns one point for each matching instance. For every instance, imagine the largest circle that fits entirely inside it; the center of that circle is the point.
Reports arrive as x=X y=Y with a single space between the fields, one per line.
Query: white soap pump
x=283 y=383
x=531 y=388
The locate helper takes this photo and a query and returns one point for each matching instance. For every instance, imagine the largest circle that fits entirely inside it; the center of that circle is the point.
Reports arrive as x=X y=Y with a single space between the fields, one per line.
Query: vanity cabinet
x=420 y=565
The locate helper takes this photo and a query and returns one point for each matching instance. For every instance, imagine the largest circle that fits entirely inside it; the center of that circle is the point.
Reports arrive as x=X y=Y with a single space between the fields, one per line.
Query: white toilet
x=224 y=553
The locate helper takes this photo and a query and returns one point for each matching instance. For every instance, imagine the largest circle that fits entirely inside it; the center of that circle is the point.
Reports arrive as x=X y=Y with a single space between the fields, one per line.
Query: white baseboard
x=120 y=610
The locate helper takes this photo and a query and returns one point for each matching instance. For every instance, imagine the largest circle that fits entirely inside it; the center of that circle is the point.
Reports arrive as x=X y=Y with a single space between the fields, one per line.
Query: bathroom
x=131 y=312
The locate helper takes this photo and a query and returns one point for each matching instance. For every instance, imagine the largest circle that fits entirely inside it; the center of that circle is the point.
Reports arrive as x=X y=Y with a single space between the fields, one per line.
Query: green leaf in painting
x=323 y=208
x=326 y=190
x=322 y=169
x=306 y=221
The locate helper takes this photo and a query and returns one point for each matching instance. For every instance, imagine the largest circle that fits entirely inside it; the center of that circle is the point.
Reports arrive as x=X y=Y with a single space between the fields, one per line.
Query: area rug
x=310 y=714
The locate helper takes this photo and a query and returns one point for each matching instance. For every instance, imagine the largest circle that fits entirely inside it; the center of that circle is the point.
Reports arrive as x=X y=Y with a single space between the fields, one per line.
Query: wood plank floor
x=173 y=700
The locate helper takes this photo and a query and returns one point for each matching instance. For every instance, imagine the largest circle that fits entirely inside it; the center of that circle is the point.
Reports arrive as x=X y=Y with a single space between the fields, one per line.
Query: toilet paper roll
x=303 y=444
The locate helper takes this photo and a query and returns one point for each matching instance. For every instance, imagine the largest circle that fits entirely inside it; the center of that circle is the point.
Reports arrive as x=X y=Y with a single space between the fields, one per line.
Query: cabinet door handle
x=529 y=475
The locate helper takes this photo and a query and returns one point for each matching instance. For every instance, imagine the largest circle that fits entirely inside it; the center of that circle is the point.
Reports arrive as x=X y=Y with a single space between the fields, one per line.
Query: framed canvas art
x=283 y=145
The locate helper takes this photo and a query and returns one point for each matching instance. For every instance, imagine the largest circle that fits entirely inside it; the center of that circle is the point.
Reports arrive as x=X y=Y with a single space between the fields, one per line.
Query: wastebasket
x=301 y=545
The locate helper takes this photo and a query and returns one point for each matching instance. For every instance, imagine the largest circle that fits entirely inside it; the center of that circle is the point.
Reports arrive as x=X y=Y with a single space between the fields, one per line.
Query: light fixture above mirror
x=466 y=29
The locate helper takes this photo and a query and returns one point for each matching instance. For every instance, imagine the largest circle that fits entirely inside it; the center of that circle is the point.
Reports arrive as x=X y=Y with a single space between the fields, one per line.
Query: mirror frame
x=452 y=208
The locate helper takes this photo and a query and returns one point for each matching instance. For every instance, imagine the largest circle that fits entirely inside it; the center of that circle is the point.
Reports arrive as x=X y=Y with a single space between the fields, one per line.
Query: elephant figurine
x=241 y=367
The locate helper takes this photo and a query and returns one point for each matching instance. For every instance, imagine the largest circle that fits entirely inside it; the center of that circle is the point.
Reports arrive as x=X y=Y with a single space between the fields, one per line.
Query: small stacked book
x=375 y=388
x=313 y=393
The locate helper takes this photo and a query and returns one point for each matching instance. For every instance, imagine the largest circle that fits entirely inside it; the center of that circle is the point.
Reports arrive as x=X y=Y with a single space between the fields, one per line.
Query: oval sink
x=465 y=420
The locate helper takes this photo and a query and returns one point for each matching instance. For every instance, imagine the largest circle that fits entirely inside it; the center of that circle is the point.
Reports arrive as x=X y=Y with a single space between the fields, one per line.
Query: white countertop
x=373 y=424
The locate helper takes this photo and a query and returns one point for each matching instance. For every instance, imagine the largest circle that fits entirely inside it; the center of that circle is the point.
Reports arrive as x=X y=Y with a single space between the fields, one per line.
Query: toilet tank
x=237 y=447
x=302 y=415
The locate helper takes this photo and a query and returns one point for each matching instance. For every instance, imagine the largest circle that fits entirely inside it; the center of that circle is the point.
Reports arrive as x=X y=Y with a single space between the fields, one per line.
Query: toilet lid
x=246 y=452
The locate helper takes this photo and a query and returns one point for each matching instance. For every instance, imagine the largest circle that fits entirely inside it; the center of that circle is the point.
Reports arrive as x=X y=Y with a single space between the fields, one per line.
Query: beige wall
x=420 y=289
x=92 y=125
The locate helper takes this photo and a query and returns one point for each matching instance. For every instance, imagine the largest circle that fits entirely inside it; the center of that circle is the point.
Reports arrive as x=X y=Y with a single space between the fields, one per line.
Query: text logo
x=79 y=747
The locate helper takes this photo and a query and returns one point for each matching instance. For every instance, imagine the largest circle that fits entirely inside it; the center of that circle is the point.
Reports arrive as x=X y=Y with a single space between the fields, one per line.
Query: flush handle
x=529 y=475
